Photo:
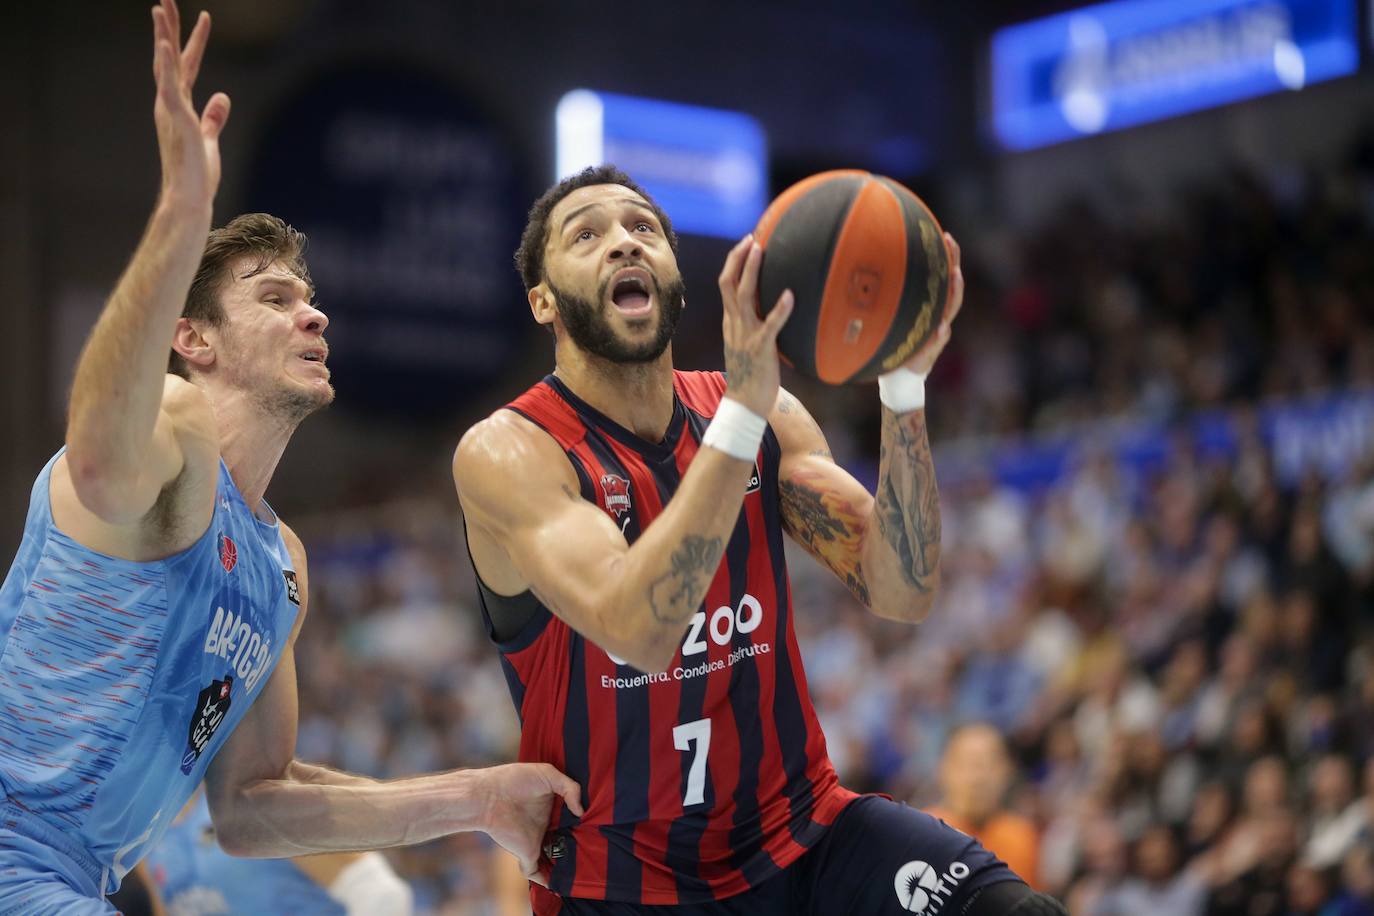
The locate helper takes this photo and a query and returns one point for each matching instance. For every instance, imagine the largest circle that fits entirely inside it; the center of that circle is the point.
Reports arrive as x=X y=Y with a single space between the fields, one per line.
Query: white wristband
x=735 y=430
x=902 y=390
x=368 y=886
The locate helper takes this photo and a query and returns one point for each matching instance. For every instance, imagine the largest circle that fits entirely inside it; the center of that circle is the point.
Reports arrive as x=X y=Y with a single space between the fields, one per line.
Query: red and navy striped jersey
x=707 y=779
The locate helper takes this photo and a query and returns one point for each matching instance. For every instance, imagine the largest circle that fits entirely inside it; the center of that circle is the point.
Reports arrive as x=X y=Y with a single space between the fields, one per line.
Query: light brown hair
x=261 y=235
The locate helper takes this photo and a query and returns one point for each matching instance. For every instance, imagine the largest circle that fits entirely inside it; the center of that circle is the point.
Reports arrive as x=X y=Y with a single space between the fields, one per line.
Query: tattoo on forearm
x=908 y=502
x=828 y=527
x=674 y=596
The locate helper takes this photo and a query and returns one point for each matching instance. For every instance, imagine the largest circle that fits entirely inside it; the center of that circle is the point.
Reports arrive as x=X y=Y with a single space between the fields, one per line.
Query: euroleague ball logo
x=228 y=553
x=921 y=889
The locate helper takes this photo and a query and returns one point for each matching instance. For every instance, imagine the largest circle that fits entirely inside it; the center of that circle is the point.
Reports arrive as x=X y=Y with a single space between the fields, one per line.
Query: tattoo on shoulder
x=674 y=596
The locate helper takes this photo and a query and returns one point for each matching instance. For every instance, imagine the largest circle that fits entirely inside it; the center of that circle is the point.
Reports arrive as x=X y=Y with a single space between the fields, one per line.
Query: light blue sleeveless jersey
x=196 y=878
x=119 y=681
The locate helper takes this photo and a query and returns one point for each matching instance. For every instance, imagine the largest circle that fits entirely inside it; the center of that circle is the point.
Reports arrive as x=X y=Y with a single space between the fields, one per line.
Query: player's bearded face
x=589 y=324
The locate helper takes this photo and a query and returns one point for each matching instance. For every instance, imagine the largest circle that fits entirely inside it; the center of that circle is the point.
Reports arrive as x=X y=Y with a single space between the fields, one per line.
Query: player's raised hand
x=520 y=799
x=188 y=142
x=751 y=343
x=923 y=359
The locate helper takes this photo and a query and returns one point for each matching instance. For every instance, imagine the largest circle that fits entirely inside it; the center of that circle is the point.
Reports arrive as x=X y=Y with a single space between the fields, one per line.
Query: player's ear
x=191 y=345
x=543 y=306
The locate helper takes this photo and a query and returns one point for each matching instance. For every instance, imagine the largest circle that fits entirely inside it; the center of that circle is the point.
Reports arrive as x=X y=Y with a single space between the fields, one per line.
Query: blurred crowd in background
x=1228 y=291
x=1176 y=663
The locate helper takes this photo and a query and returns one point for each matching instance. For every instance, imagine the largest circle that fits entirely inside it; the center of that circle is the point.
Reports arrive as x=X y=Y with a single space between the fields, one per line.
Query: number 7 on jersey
x=683 y=737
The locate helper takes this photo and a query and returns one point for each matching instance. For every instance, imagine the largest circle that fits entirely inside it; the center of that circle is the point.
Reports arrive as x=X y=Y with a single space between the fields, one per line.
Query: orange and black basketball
x=867 y=263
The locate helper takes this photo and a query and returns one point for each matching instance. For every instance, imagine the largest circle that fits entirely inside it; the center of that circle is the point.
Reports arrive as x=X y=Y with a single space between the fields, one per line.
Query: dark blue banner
x=1129 y=62
x=412 y=200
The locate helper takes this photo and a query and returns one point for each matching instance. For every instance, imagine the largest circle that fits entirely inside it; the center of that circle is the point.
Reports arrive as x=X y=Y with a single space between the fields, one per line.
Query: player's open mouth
x=630 y=293
x=314 y=356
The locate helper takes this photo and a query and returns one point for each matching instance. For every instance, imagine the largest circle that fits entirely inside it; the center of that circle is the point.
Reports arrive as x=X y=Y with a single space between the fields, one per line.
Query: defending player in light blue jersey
x=194 y=877
x=147 y=624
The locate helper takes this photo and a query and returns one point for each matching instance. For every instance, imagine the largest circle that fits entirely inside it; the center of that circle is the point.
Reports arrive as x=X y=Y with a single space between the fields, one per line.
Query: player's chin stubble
x=589 y=325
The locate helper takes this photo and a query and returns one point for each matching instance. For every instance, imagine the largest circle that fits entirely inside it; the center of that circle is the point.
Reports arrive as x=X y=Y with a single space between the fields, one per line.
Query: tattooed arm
x=824 y=509
x=903 y=561
x=886 y=547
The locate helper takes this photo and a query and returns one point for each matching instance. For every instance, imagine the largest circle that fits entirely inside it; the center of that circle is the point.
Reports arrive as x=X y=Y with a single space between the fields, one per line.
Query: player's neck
x=251 y=443
x=638 y=396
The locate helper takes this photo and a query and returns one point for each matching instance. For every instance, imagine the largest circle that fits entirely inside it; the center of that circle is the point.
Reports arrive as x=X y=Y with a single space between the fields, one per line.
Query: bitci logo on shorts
x=922 y=889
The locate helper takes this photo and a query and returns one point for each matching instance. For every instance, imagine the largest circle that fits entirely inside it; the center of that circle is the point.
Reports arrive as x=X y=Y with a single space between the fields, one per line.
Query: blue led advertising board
x=1128 y=62
x=706 y=167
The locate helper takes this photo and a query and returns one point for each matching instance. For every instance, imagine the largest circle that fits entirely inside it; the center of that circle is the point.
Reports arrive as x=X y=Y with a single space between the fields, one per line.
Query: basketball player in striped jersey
x=147 y=623
x=625 y=520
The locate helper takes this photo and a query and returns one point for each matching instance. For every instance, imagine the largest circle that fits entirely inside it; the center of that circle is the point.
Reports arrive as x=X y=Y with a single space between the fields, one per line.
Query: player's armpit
x=824 y=508
x=527 y=520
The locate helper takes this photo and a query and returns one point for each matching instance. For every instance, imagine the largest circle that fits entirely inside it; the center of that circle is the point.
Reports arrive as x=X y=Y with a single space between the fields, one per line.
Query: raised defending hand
x=188 y=142
x=923 y=359
x=751 y=343
x=520 y=797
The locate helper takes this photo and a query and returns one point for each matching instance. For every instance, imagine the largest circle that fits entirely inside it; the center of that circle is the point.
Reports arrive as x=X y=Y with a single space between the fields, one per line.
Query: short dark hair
x=529 y=257
x=267 y=237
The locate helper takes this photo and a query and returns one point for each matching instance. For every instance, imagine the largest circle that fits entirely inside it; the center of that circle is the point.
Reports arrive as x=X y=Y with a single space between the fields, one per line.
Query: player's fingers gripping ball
x=867 y=262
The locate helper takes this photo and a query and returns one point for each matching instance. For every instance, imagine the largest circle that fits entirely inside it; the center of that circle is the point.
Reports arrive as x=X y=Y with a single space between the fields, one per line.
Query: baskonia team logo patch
x=922 y=889
x=616 y=492
x=212 y=705
x=228 y=553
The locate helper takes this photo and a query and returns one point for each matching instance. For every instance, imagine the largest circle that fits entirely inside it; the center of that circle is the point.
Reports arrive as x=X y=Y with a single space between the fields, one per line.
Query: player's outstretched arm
x=122 y=446
x=885 y=547
x=265 y=804
x=519 y=493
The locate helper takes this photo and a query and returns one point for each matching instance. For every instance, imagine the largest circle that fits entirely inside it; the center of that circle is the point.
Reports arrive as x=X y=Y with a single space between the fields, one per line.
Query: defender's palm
x=521 y=801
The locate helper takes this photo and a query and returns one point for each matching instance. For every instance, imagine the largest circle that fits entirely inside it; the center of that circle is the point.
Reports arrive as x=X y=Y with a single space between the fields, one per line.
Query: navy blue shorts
x=879 y=856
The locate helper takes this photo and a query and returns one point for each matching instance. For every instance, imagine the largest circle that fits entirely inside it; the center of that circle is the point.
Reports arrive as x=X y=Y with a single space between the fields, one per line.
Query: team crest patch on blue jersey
x=212 y=705
x=753 y=480
x=293 y=589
